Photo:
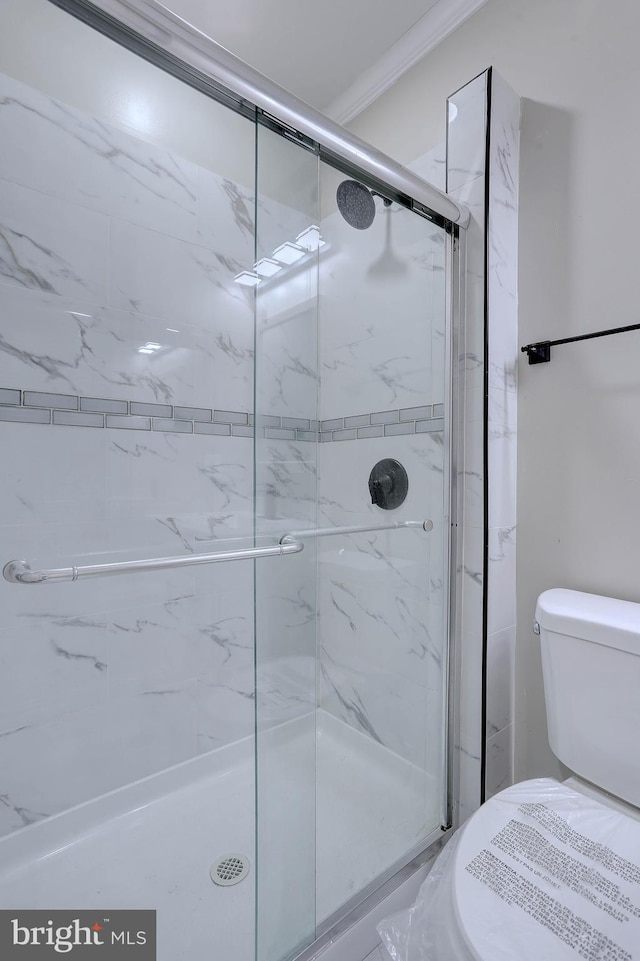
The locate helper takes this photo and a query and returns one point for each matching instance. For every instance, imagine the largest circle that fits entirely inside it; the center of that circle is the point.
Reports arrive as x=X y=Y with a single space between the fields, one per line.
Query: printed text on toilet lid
x=558 y=887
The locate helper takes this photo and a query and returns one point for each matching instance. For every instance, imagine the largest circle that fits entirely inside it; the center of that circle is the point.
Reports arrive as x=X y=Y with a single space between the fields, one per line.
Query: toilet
x=548 y=870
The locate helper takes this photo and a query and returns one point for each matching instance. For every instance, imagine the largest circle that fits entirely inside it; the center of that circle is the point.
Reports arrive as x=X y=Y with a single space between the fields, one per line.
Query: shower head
x=355 y=203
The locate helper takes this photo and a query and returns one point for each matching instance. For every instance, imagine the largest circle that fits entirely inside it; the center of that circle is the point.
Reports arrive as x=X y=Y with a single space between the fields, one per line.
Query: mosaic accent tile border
x=70 y=410
x=384 y=423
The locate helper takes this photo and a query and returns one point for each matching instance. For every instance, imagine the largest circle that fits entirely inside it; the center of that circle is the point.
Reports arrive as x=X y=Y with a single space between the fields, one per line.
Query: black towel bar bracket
x=540 y=352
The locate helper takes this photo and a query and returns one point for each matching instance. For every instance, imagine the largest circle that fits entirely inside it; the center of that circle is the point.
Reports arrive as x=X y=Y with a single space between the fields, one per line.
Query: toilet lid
x=544 y=872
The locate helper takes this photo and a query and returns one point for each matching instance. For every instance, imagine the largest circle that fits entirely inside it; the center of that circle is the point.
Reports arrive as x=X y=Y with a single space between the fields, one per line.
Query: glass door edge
x=366 y=900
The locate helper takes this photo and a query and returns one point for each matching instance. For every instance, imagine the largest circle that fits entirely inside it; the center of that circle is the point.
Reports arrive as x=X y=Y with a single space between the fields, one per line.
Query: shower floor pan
x=152 y=844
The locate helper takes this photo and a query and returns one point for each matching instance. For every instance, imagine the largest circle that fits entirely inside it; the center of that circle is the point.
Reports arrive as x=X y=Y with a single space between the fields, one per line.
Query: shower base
x=152 y=844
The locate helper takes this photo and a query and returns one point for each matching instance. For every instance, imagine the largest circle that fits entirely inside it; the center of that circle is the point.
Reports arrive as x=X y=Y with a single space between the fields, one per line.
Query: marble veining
x=118 y=309
x=25 y=816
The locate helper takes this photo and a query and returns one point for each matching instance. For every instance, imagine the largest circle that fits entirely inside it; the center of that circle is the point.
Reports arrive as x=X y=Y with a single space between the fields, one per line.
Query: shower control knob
x=388 y=484
x=380 y=487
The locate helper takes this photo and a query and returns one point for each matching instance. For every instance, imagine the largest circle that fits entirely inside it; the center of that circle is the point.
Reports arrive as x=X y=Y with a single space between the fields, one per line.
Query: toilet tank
x=591 y=668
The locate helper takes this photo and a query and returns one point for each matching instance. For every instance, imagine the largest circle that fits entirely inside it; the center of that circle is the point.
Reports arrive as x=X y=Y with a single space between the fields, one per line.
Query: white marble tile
x=342 y=498
x=51 y=245
x=381 y=595
x=288 y=191
x=57 y=344
x=61 y=545
x=225 y=708
x=226 y=217
x=82 y=755
x=474 y=405
x=287 y=380
x=286 y=686
x=505 y=349
x=286 y=604
x=78 y=497
x=286 y=483
x=503 y=234
x=501 y=575
x=467 y=120
x=502 y=458
x=473 y=195
x=51 y=666
x=286 y=588
x=378 y=703
x=471 y=361
x=150 y=186
x=51 y=477
x=466 y=145
x=500 y=663
x=152 y=273
x=195 y=487
x=72 y=167
x=177 y=639
x=53 y=343
x=92 y=163
x=470 y=784
x=470 y=731
x=371 y=614
x=499 y=771
x=473 y=475
x=396 y=268
x=382 y=614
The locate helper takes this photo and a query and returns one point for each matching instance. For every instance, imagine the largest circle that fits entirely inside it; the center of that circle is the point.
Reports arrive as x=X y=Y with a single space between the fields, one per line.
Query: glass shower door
x=351 y=634
x=286 y=491
x=126 y=398
x=383 y=594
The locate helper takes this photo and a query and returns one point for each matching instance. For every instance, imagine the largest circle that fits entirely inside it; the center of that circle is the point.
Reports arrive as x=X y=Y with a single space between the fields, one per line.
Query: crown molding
x=443 y=17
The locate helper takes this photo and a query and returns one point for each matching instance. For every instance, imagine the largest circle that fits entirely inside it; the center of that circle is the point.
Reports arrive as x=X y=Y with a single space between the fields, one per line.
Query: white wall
x=576 y=65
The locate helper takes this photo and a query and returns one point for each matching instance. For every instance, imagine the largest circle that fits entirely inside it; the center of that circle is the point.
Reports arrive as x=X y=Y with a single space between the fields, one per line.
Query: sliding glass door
x=351 y=364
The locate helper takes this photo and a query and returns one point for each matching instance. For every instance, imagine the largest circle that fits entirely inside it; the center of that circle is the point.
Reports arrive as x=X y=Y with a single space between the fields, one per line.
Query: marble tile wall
x=502 y=289
x=466 y=137
x=483 y=112
x=381 y=594
x=109 y=244
x=286 y=455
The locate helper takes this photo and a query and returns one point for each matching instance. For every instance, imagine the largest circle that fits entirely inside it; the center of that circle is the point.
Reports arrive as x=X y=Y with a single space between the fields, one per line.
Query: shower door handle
x=20 y=572
x=294 y=536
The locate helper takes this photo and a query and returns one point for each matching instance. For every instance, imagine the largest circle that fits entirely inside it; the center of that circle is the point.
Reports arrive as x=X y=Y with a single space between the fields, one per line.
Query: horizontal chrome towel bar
x=295 y=536
x=19 y=572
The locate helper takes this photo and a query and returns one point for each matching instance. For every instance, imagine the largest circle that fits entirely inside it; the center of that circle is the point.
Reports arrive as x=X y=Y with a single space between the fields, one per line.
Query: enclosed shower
x=227 y=495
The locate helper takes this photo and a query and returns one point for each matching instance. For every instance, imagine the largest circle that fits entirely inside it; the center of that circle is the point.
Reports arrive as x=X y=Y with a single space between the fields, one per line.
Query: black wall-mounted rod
x=540 y=352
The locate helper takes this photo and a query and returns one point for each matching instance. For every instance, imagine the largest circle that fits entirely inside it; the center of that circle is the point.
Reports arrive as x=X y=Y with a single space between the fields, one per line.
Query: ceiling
x=337 y=55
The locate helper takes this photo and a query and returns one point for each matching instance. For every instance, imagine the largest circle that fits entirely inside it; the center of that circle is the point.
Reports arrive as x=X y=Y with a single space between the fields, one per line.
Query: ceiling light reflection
x=267 y=267
x=288 y=253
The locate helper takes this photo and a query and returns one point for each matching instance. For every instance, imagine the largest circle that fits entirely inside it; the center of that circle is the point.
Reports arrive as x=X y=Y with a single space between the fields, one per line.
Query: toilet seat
x=543 y=870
